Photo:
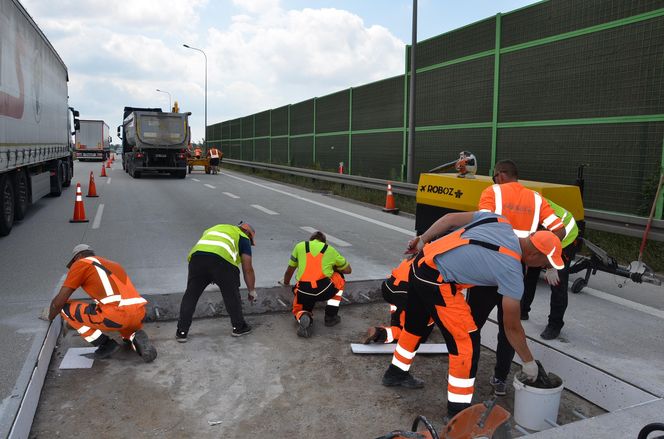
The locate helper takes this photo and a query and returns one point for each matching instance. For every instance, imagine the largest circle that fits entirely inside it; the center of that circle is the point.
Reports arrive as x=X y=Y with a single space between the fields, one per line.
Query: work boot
x=181 y=336
x=143 y=346
x=550 y=333
x=304 y=325
x=105 y=350
x=332 y=320
x=239 y=332
x=499 y=386
x=375 y=334
x=397 y=377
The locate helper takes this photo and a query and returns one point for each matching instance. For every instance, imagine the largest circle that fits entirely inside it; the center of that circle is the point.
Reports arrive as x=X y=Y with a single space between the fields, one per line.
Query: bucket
x=532 y=405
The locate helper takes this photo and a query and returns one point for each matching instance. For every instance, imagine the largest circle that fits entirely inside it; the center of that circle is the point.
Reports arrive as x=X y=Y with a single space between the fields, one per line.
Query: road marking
x=332 y=239
x=108 y=181
x=228 y=194
x=336 y=209
x=624 y=302
x=209 y=185
x=97 y=221
x=195 y=179
x=264 y=209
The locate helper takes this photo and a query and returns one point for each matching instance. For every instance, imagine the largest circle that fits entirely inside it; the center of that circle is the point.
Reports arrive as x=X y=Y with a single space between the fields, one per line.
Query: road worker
x=557 y=279
x=215 y=156
x=320 y=269
x=484 y=251
x=117 y=306
x=198 y=152
x=217 y=257
x=525 y=209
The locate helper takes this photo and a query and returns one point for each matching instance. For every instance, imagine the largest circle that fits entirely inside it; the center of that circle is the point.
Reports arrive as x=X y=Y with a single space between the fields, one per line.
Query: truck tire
x=182 y=173
x=21 y=195
x=6 y=205
x=69 y=173
x=56 y=180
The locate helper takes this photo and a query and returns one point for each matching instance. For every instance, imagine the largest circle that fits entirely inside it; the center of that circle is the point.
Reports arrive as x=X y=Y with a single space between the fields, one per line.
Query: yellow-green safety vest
x=571 y=230
x=222 y=240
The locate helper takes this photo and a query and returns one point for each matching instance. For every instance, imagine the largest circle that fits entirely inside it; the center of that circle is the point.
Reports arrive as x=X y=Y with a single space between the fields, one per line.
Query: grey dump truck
x=153 y=140
x=36 y=150
x=93 y=140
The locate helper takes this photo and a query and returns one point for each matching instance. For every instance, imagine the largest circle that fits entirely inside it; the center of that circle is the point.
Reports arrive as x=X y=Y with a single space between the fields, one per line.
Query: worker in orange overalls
x=320 y=269
x=117 y=306
x=198 y=152
x=484 y=251
x=215 y=156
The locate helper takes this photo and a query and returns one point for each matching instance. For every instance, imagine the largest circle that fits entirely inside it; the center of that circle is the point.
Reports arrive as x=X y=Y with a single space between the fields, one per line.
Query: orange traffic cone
x=108 y=163
x=92 y=187
x=79 y=209
x=389 y=201
x=103 y=171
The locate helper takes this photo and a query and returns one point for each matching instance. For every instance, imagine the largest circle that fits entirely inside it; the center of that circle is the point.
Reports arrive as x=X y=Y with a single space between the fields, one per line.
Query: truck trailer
x=93 y=140
x=154 y=141
x=36 y=151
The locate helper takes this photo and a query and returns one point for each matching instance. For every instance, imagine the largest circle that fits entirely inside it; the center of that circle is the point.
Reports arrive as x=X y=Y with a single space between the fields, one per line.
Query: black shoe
x=304 y=325
x=143 y=347
x=332 y=320
x=106 y=350
x=403 y=379
x=181 y=336
x=239 y=332
x=550 y=333
x=375 y=334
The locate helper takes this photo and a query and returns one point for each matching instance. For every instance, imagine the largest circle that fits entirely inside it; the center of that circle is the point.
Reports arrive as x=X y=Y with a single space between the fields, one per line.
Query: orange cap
x=248 y=230
x=549 y=244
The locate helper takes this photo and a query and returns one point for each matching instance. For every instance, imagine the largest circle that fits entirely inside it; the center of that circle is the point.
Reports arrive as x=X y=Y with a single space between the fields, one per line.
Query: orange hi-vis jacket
x=400 y=273
x=108 y=288
x=524 y=208
x=313 y=269
x=214 y=153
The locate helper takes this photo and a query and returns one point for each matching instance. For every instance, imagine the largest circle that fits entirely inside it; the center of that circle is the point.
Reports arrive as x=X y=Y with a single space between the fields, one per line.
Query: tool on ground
x=103 y=171
x=389 y=201
x=92 y=187
x=79 y=209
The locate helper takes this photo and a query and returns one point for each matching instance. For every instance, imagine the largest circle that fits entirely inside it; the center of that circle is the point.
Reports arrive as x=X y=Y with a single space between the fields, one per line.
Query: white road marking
x=336 y=209
x=97 y=221
x=108 y=181
x=264 y=209
x=624 y=302
x=228 y=194
x=332 y=239
x=209 y=185
x=195 y=179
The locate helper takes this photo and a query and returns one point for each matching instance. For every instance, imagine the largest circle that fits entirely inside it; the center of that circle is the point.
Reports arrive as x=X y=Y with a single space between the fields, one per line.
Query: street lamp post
x=170 y=106
x=199 y=50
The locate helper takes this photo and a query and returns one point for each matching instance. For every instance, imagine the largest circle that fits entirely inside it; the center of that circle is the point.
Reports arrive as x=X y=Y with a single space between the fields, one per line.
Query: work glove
x=551 y=275
x=530 y=369
x=414 y=245
x=44 y=314
x=253 y=295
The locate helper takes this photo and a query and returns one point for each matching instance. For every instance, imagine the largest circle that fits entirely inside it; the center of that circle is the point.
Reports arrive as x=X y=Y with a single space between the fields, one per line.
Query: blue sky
x=261 y=53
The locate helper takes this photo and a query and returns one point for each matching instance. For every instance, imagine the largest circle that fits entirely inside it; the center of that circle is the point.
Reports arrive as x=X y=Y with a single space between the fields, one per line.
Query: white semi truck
x=93 y=140
x=36 y=151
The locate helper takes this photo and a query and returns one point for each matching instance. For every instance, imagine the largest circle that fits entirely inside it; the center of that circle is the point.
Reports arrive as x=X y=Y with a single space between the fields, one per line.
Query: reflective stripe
x=536 y=211
x=569 y=227
x=404 y=353
x=111 y=299
x=455 y=397
x=460 y=382
x=220 y=244
x=399 y=364
x=222 y=235
x=499 y=199
x=390 y=335
x=95 y=335
x=132 y=301
x=486 y=210
x=105 y=281
x=83 y=329
x=393 y=308
x=522 y=233
x=334 y=301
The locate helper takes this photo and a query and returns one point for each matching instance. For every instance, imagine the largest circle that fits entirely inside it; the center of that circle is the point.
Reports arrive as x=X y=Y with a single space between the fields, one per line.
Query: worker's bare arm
x=288 y=275
x=441 y=226
x=514 y=330
x=59 y=301
x=248 y=272
x=345 y=270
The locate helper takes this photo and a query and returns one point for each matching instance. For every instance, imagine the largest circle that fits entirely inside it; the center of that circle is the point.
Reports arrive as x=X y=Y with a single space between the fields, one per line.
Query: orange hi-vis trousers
x=327 y=289
x=90 y=320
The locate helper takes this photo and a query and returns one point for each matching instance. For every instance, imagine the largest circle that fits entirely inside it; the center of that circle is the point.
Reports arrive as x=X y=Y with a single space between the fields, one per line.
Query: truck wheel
x=69 y=173
x=137 y=174
x=21 y=195
x=181 y=173
x=6 y=205
x=56 y=180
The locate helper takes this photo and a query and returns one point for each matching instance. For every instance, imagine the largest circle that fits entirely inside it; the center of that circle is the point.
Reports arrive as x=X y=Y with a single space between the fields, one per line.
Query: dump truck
x=93 y=140
x=153 y=140
x=36 y=150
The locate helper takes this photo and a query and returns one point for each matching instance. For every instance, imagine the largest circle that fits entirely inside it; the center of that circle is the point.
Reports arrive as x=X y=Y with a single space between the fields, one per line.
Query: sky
x=261 y=54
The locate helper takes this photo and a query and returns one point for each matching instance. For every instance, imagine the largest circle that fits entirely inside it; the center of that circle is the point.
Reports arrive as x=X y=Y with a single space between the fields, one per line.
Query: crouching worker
x=117 y=306
x=320 y=270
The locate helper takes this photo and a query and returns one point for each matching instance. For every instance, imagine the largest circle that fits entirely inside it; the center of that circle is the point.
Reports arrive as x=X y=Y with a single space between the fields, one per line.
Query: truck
x=153 y=140
x=93 y=140
x=36 y=150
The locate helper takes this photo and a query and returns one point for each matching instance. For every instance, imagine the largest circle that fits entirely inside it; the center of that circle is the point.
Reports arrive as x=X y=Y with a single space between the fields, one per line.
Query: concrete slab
x=78 y=358
x=377 y=349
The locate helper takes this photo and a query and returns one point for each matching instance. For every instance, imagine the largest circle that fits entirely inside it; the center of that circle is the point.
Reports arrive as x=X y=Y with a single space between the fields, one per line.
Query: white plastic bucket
x=532 y=406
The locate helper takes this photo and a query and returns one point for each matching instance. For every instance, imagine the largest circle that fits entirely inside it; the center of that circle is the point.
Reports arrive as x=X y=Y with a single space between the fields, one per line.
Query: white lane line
x=228 y=194
x=209 y=185
x=97 y=221
x=195 y=179
x=336 y=209
x=108 y=181
x=264 y=209
x=624 y=302
x=332 y=239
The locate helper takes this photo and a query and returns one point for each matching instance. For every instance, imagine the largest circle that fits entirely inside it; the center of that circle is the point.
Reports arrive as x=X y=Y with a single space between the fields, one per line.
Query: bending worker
x=117 y=306
x=485 y=251
x=215 y=156
x=216 y=257
x=320 y=270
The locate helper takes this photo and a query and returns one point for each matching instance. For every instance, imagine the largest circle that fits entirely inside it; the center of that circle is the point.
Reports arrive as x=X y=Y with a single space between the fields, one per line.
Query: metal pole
x=170 y=105
x=200 y=50
x=411 y=100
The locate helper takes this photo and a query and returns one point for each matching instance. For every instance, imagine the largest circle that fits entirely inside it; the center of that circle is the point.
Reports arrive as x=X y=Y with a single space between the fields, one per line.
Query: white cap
x=79 y=248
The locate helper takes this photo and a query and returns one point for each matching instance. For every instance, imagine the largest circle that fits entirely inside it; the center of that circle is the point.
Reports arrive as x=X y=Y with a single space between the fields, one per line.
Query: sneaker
x=499 y=386
x=144 y=347
x=375 y=334
x=239 y=332
x=181 y=336
x=304 y=325
x=332 y=320
x=550 y=333
x=106 y=350
x=392 y=378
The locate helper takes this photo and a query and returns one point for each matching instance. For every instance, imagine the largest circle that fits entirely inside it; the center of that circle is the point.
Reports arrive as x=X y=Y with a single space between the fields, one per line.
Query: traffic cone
x=103 y=171
x=92 y=188
x=108 y=163
x=389 y=201
x=79 y=209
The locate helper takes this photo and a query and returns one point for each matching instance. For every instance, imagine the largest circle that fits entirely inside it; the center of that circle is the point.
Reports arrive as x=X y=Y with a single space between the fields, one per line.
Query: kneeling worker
x=320 y=270
x=117 y=305
x=216 y=257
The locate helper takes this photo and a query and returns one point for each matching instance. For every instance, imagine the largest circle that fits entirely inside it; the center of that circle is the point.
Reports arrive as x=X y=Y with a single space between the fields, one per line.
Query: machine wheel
x=578 y=285
x=56 y=180
x=6 y=205
x=21 y=195
x=207 y=170
x=189 y=168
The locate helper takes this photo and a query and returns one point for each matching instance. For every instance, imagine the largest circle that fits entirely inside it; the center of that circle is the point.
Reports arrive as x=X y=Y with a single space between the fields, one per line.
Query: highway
x=149 y=225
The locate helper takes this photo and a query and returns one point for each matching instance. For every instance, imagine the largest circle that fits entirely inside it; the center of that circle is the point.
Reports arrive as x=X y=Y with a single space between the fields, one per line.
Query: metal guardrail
x=622 y=224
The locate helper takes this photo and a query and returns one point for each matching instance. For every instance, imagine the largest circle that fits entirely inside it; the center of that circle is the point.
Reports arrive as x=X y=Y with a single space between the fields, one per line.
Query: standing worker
x=198 y=152
x=320 y=270
x=215 y=156
x=216 y=257
x=558 y=280
x=117 y=305
x=484 y=251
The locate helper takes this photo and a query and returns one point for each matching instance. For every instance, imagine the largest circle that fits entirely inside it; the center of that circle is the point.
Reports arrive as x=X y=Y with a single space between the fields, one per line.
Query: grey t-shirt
x=476 y=265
